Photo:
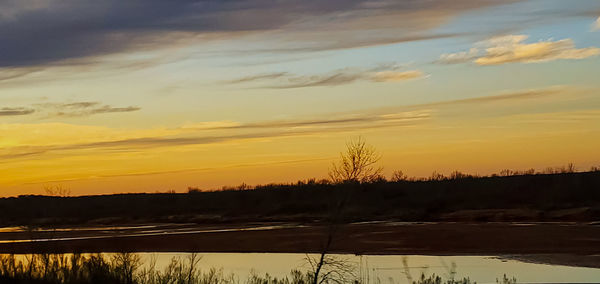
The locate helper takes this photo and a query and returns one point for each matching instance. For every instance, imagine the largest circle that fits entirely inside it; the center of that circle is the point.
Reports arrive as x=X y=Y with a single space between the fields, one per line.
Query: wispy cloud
x=342 y=40
x=190 y=135
x=596 y=26
x=7 y=111
x=459 y=57
x=558 y=117
x=379 y=74
x=341 y=120
x=509 y=96
x=396 y=76
x=188 y=170
x=98 y=110
x=332 y=79
x=258 y=77
x=77 y=29
x=15 y=73
x=78 y=105
x=513 y=49
x=71 y=109
x=214 y=132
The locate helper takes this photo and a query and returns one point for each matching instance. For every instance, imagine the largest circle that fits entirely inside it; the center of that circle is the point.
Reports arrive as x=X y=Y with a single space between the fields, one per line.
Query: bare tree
x=399 y=175
x=125 y=264
x=331 y=269
x=57 y=190
x=357 y=164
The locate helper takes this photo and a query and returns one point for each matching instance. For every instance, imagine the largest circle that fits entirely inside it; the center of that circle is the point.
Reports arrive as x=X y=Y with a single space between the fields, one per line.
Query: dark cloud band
x=35 y=33
x=15 y=111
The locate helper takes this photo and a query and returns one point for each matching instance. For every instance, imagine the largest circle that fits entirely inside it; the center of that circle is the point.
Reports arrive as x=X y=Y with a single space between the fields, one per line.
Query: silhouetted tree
x=357 y=163
x=57 y=190
x=398 y=175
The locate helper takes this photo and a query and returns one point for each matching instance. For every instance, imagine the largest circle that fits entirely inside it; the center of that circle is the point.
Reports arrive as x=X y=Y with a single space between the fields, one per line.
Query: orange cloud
x=394 y=76
x=513 y=49
x=284 y=80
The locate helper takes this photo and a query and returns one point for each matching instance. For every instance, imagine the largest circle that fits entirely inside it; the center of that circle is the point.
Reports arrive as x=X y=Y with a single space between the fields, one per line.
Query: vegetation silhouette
x=127 y=268
x=539 y=196
x=57 y=190
x=357 y=163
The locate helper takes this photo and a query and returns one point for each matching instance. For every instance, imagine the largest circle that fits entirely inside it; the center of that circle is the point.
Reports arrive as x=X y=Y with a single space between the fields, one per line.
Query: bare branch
x=357 y=164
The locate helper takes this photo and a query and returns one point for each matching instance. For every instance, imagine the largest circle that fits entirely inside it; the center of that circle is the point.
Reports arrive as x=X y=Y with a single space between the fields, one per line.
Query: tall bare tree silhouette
x=357 y=163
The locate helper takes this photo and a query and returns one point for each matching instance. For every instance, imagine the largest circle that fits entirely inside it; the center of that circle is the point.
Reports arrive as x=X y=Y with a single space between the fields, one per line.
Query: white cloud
x=596 y=26
x=512 y=49
x=459 y=57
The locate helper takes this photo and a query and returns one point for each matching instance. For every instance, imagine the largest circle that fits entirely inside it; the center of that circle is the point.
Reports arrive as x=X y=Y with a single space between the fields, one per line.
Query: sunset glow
x=209 y=94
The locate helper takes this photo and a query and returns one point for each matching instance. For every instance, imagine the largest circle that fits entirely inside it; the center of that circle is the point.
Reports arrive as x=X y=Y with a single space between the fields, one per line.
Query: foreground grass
x=127 y=268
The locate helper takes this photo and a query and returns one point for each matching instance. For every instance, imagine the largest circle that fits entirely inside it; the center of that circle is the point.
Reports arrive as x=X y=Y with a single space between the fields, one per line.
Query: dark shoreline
x=561 y=197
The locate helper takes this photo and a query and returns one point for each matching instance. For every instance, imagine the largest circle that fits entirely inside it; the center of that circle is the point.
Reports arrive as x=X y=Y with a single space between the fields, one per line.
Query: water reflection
x=132 y=231
x=482 y=269
x=380 y=268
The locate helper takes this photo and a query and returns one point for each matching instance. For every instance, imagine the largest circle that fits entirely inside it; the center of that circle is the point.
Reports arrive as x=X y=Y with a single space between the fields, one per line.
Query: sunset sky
x=144 y=96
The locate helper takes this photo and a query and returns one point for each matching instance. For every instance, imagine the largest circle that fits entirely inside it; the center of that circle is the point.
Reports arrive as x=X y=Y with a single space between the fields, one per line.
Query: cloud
x=79 y=104
x=101 y=109
x=329 y=42
x=243 y=131
x=188 y=170
x=211 y=125
x=512 y=96
x=258 y=77
x=73 y=109
x=11 y=74
x=66 y=139
x=7 y=111
x=394 y=76
x=459 y=57
x=557 y=117
x=333 y=79
x=36 y=33
x=512 y=49
x=378 y=74
x=518 y=95
x=224 y=131
x=596 y=25
x=345 y=120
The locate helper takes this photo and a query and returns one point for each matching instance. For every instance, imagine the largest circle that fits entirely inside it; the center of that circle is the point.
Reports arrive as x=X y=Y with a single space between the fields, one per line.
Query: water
x=133 y=231
x=483 y=269
x=386 y=268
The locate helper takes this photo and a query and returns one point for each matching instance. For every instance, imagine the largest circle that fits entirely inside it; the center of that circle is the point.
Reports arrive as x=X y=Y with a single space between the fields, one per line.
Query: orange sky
x=126 y=106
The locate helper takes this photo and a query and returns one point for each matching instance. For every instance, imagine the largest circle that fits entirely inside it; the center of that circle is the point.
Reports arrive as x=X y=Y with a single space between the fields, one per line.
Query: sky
x=105 y=97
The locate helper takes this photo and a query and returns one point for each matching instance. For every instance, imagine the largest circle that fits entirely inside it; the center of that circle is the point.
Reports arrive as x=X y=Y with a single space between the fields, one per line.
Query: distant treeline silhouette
x=398 y=176
x=508 y=196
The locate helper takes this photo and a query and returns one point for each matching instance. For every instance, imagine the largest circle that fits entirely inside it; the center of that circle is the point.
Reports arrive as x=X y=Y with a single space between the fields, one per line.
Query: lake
x=550 y=266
